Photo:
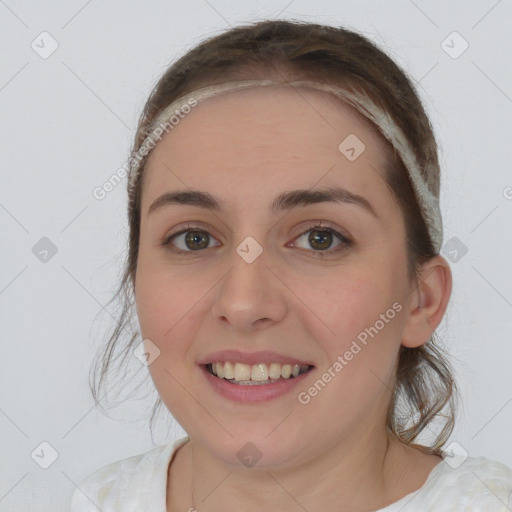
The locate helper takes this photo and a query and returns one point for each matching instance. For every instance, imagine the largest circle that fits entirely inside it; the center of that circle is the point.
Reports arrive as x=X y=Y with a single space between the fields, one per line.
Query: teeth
x=229 y=370
x=256 y=373
x=286 y=371
x=274 y=371
x=259 y=372
x=242 y=371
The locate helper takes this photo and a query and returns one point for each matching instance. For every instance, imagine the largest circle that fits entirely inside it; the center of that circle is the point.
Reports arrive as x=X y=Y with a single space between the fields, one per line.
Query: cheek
x=171 y=304
x=165 y=310
x=364 y=316
x=161 y=296
x=358 y=314
x=152 y=303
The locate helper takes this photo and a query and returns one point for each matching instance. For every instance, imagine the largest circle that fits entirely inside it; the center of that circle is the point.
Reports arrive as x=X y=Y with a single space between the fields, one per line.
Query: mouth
x=253 y=377
x=255 y=374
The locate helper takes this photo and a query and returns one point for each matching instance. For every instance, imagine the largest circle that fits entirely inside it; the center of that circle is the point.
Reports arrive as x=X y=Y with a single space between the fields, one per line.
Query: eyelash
x=345 y=242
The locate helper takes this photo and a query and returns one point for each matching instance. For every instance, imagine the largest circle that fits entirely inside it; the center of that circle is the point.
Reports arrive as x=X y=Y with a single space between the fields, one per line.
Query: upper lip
x=265 y=356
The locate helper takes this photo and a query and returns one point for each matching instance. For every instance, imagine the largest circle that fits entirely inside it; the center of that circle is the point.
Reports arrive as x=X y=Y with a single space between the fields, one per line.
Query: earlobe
x=428 y=303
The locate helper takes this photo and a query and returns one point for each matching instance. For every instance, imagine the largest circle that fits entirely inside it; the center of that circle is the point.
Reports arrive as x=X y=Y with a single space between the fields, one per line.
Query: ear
x=427 y=302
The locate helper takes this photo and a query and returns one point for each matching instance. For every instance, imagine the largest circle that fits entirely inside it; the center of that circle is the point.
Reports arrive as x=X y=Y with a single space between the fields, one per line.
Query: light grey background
x=66 y=126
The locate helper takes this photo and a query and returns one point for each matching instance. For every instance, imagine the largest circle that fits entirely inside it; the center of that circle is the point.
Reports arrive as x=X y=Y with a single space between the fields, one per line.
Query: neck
x=363 y=473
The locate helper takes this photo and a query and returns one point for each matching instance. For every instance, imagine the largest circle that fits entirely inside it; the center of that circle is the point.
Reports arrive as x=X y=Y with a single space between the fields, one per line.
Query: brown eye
x=196 y=240
x=321 y=238
x=188 y=241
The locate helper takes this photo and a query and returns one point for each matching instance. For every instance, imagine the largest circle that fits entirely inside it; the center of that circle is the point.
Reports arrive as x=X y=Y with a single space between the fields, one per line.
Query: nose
x=250 y=296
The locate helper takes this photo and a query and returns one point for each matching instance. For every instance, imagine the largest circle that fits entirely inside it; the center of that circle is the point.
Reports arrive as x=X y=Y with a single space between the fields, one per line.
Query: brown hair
x=424 y=384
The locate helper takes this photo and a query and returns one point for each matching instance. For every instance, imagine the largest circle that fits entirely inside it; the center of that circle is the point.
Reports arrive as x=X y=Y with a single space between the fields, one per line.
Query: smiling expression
x=325 y=267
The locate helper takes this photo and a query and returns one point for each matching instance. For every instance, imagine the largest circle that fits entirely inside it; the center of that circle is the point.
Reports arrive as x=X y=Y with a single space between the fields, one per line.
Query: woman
x=284 y=263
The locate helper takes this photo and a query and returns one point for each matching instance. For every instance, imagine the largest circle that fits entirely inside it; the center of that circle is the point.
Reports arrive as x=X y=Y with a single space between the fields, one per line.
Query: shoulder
x=140 y=478
x=470 y=485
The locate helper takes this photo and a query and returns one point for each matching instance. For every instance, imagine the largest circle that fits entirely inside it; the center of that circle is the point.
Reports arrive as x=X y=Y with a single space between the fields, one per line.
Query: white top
x=139 y=484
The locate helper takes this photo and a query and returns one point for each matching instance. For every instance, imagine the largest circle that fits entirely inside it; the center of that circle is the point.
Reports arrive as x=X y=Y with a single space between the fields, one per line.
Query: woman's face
x=255 y=278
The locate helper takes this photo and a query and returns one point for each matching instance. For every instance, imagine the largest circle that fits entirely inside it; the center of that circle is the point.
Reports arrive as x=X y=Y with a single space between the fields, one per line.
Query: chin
x=254 y=448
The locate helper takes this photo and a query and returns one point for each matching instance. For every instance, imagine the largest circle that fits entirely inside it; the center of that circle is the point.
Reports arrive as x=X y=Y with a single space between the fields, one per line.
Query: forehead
x=255 y=142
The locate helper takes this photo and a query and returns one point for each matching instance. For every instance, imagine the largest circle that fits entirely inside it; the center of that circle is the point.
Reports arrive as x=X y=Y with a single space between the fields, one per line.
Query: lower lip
x=254 y=393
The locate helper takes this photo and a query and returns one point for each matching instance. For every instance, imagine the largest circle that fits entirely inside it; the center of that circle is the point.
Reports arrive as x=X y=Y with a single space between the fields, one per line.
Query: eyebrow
x=285 y=201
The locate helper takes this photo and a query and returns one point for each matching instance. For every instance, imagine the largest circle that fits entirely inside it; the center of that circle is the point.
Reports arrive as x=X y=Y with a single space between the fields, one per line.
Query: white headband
x=428 y=201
